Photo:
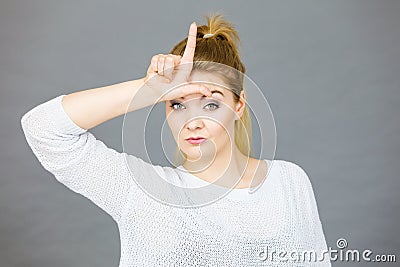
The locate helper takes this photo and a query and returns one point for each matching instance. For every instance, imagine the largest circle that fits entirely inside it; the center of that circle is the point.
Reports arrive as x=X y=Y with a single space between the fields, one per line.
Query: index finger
x=188 y=54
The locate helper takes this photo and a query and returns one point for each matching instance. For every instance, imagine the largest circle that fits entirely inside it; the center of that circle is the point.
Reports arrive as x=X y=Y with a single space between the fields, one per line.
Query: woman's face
x=209 y=118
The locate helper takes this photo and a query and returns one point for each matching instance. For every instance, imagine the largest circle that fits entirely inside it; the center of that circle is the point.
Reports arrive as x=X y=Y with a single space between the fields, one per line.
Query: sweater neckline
x=242 y=194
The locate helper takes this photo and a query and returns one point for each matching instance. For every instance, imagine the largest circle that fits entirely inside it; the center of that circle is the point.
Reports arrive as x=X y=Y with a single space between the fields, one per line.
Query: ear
x=241 y=104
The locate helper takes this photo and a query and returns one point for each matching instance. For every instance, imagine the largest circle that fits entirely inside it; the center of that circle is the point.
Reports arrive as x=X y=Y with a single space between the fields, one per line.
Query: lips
x=195 y=140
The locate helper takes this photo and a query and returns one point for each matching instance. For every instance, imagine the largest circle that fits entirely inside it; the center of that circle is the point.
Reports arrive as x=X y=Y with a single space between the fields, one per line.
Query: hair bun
x=216 y=41
x=219 y=28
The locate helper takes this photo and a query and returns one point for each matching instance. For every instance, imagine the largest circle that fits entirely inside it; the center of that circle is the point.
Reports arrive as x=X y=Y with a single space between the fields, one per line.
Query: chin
x=206 y=149
x=196 y=153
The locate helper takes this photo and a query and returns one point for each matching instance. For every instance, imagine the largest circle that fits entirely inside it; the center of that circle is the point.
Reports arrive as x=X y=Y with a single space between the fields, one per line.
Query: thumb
x=193 y=88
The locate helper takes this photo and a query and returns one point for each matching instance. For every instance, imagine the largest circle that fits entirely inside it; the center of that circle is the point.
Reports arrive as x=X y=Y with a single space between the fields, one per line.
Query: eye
x=176 y=106
x=211 y=106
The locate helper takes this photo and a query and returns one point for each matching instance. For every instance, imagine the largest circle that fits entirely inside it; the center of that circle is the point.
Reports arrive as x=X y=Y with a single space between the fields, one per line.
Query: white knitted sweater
x=240 y=229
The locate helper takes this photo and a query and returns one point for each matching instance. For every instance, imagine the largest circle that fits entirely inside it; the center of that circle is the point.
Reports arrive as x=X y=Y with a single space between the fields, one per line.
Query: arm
x=59 y=138
x=57 y=131
x=92 y=107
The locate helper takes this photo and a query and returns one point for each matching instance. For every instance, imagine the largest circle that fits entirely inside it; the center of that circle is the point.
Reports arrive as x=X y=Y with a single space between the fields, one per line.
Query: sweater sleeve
x=76 y=158
x=318 y=236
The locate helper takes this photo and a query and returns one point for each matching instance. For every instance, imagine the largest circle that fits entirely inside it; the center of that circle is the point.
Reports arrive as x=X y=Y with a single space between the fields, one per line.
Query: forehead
x=211 y=81
x=201 y=76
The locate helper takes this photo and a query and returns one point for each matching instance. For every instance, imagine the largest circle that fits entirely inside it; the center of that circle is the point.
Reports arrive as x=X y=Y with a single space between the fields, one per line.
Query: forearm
x=92 y=107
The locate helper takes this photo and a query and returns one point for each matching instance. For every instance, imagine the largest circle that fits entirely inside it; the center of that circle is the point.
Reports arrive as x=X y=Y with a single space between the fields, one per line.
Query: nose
x=195 y=124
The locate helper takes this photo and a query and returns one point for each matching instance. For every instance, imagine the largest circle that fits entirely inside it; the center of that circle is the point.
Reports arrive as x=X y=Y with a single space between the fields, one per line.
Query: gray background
x=329 y=69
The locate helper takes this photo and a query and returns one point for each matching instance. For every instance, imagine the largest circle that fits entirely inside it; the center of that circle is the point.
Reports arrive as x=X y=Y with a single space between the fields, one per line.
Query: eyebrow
x=213 y=91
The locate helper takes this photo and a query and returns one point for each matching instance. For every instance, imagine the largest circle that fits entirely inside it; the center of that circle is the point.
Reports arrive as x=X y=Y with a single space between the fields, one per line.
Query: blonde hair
x=221 y=47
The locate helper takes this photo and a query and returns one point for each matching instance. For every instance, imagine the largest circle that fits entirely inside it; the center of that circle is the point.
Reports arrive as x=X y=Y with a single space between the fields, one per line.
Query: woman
x=239 y=229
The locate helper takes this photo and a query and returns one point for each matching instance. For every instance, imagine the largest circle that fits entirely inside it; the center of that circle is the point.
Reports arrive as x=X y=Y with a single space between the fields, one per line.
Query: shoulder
x=293 y=173
x=298 y=182
x=290 y=167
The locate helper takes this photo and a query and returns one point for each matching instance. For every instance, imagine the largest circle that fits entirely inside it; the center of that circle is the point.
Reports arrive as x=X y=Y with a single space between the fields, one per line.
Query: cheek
x=175 y=124
x=222 y=125
x=224 y=117
x=219 y=129
x=216 y=130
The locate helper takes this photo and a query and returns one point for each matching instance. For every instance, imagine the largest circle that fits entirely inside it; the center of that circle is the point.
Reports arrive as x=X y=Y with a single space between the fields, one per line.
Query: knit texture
x=239 y=229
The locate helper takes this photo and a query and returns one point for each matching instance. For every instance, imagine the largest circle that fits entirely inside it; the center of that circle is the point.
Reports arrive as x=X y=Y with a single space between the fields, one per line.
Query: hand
x=169 y=71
